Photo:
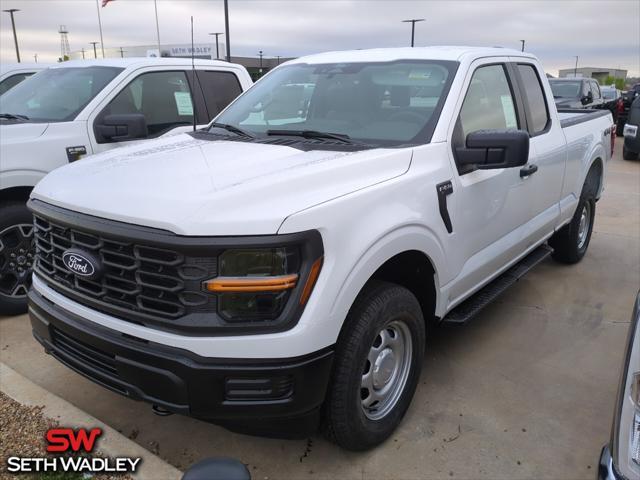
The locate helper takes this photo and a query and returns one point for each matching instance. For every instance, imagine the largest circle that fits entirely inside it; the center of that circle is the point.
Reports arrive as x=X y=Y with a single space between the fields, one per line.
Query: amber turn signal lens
x=252 y=284
x=311 y=281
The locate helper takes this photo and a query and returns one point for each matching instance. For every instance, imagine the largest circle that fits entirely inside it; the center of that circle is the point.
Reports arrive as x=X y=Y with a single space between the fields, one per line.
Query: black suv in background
x=631 y=147
x=623 y=112
x=576 y=93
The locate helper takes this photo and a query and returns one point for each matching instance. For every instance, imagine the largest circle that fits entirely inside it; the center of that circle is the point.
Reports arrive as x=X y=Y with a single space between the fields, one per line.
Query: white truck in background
x=280 y=269
x=79 y=108
x=11 y=74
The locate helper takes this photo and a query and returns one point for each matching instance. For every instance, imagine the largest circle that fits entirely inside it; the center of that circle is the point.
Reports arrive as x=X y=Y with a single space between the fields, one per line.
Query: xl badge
x=82 y=263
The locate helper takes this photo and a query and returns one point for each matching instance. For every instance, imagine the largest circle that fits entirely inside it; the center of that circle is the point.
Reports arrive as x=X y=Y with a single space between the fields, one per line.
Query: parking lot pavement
x=525 y=391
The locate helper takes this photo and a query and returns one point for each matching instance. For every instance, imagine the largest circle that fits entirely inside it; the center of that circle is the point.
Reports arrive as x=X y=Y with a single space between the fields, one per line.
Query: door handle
x=528 y=170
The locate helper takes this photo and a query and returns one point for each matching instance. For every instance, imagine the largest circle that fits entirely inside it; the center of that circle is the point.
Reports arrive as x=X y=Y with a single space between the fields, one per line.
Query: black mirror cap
x=217 y=469
x=492 y=149
x=120 y=127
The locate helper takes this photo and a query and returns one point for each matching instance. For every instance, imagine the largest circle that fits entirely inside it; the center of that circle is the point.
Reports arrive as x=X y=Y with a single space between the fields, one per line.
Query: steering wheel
x=406 y=116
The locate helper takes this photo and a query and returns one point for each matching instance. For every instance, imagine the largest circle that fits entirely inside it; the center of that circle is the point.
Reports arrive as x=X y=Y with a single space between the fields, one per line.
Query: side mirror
x=491 y=149
x=217 y=469
x=587 y=99
x=119 y=127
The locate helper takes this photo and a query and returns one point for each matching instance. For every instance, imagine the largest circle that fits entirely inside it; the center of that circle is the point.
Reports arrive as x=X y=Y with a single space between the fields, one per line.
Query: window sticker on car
x=183 y=103
x=509 y=111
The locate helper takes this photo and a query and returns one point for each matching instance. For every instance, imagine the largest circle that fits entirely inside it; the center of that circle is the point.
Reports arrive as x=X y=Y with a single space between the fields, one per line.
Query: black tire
x=379 y=305
x=628 y=154
x=16 y=256
x=569 y=246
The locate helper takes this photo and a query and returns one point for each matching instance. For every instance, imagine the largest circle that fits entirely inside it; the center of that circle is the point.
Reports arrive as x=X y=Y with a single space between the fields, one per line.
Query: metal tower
x=64 y=42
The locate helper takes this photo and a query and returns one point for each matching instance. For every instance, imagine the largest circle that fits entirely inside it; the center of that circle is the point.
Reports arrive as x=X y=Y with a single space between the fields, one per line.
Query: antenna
x=193 y=73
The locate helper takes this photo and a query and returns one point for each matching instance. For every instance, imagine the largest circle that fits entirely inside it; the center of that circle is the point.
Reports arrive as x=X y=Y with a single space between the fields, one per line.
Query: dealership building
x=255 y=65
x=599 y=74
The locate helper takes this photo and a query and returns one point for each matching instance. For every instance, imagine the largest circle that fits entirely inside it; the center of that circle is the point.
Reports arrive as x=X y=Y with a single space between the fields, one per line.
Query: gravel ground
x=22 y=433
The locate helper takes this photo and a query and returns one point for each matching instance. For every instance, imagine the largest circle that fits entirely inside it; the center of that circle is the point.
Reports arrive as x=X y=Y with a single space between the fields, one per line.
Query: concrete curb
x=112 y=443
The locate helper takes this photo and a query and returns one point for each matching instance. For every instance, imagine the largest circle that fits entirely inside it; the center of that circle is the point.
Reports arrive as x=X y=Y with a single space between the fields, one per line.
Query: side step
x=474 y=304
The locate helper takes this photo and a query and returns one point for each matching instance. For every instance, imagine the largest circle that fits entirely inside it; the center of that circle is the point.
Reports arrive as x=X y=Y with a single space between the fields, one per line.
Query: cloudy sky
x=603 y=33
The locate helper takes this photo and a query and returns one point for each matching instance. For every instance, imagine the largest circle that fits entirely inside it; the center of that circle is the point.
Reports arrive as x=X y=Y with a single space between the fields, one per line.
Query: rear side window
x=219 y=88
x=489 y=103
x=164 y=98
x=534 y=98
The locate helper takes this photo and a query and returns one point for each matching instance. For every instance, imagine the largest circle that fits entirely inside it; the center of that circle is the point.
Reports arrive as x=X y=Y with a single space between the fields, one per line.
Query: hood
x=201 y=187
x=18 y=131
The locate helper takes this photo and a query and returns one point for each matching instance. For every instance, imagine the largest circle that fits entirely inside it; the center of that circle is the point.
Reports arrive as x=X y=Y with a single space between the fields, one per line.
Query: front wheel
x=16 y=257
x=377 y=365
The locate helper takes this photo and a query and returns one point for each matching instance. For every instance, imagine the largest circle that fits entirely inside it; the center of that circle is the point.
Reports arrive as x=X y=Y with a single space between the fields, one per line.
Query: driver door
x=491 y=208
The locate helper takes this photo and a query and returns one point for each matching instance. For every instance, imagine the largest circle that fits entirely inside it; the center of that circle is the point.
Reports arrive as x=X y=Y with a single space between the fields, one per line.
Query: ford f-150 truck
x=281 y=268
x=88 y=106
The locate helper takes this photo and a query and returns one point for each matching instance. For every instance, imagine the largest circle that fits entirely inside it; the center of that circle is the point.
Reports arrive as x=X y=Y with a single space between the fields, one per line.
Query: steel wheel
x=583 y=227
x=386 y=370
x=16 y=260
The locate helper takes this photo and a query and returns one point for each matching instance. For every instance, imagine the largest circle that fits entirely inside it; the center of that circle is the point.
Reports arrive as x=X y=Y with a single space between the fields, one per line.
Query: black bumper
x=279 y=397
x=606 y=468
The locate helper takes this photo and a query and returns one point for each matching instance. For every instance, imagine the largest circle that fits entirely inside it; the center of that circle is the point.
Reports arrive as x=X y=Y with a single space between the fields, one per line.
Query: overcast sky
x=603 y=33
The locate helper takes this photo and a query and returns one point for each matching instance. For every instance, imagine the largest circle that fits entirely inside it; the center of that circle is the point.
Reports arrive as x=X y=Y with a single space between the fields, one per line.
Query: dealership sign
x=67 y=440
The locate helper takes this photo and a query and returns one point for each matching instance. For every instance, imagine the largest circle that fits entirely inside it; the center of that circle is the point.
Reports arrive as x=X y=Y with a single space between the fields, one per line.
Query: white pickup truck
x=88 y=106
x=280 y=269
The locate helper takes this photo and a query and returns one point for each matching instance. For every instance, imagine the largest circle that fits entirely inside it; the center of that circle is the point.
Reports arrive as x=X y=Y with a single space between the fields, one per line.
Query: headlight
x=256 y=284
x=626 y=432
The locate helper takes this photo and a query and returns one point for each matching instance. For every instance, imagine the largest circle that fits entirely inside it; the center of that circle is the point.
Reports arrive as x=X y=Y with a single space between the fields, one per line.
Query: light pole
x=11 y=11
x=95 y=52
x=217 y=34
x=522 y=50
x=83 y=53
x=35 y=57
x=278 y=57
x=226 y=29
x=121 y=52
x=260 y=54
x=413 y=27
x=575 y=70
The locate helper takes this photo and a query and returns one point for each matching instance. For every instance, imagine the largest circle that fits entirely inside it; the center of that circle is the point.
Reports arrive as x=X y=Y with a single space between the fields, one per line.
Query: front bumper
x=606 y=469
x=280 y=397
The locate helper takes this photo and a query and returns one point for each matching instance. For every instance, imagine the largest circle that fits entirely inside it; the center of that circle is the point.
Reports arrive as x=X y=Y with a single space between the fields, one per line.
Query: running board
x=468 y=309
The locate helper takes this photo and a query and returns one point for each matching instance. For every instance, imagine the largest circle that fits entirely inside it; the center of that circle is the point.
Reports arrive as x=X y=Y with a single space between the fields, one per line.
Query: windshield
x=56 y=94
x=388 y=103
x=564 y=89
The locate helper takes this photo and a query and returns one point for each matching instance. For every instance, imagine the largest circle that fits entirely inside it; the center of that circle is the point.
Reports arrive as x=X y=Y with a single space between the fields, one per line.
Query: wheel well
x=15 y=194
x=594 y=177
x=413 y=270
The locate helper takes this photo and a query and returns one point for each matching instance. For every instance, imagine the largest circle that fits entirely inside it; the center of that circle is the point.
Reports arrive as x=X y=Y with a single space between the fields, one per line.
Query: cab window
x=534 y=99
x=489 y=102
x=164 y=98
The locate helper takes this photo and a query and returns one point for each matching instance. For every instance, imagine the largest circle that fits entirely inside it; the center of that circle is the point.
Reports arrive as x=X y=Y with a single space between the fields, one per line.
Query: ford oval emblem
x=82 y=263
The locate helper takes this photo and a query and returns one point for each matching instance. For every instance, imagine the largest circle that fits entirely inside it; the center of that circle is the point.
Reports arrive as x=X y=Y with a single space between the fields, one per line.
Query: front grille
x=138 y=279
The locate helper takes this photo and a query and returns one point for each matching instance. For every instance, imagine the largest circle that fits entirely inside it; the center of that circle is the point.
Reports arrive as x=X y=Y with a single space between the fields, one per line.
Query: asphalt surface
x=525 y=391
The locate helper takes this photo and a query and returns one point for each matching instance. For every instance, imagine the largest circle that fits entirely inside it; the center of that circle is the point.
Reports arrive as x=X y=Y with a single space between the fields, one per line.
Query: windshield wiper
x=315 y=134
x=11 y=116
x=233 y=129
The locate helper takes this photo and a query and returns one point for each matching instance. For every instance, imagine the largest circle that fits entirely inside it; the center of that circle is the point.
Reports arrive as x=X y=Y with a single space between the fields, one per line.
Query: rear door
x=542 y=189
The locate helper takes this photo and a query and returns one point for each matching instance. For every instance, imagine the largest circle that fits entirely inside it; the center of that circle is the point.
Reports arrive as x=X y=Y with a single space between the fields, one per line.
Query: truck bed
x=574 y=116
